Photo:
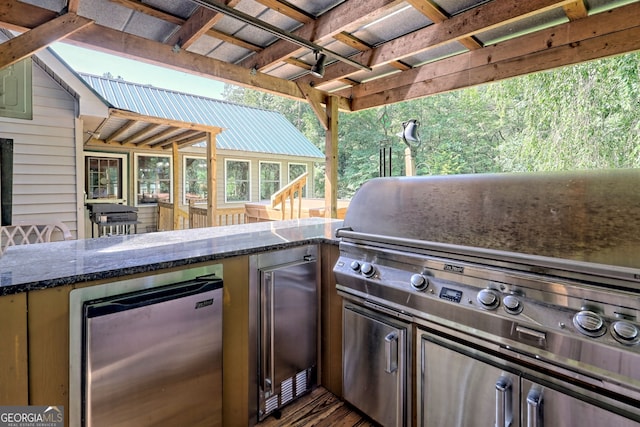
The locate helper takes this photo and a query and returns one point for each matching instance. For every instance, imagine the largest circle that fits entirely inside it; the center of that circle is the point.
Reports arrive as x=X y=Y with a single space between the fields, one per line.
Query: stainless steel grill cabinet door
x=374 y=373
x=154 y=357
x=457 y=390
x=548 y=407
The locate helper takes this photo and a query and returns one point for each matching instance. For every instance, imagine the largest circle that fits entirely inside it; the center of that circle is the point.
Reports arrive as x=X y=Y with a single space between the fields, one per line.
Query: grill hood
x=587 y=216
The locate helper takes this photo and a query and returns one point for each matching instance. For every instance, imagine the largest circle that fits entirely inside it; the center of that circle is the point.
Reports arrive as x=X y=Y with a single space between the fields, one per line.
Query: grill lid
x=587 y=216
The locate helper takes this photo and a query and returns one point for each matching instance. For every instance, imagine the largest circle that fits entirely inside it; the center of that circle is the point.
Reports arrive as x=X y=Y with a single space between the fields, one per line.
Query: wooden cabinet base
x=14 y=382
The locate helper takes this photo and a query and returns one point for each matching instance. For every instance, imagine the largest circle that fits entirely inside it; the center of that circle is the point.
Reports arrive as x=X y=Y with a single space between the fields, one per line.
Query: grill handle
x=391 y=352
x=267 y=331
x=534 y=407
x=503 y=402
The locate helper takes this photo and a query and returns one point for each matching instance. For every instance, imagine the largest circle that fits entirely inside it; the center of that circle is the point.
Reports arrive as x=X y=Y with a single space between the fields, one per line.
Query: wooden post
x=331 y=159
x=212 y=185
x=176 y=185
x=409 y=162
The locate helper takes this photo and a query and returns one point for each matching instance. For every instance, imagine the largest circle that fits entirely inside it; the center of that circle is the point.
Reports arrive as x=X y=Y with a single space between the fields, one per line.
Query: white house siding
x=44 y=174
x=147 y=218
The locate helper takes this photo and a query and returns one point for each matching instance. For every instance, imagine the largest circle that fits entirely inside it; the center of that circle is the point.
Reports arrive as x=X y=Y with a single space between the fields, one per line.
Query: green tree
x=579 y=117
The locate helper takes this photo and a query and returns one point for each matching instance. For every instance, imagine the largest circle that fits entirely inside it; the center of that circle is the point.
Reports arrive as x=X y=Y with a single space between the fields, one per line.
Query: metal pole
x=278 y=32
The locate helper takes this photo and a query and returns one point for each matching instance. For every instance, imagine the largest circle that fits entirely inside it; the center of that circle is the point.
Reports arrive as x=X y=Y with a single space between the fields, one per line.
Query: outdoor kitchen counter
x=32 y=267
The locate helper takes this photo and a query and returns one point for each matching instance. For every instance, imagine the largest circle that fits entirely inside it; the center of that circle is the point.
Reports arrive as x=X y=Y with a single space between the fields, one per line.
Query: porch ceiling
x=128 y=129
x=378 y=51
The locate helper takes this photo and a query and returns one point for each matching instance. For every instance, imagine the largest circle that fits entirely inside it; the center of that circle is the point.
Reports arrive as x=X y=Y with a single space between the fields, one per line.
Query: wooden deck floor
x=320 y=408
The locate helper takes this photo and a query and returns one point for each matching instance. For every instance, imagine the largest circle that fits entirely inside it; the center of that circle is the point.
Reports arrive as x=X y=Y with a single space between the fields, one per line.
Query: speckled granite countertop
x=30 y=267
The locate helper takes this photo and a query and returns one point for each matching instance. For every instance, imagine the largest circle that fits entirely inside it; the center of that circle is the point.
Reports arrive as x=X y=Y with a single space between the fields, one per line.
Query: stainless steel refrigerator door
x=548 y=407
x=289 y=323
x=156 y=365
x=456 y=390
x=374 y=366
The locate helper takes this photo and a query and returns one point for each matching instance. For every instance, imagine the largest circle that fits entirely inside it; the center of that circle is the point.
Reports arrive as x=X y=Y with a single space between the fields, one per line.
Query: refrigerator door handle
x=391 y=352
x=534 y=407
x=503 y=402
x=267 y=331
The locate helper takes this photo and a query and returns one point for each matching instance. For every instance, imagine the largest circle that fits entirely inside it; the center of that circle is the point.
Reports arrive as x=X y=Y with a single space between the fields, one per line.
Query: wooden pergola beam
x=158 y=136
x=315 y=106
x=137 y=48
x=141 y=7
x=194 y=28
x=33 y=41
x=437 y=15
x=129 y=115
x=562 y=45
x=576 y=10
x=188 y=37
x=288 y=9
x=122 y=129
x=24 y=17
x=347 y=14
x=199 y=137
x=144 y=131
x=72 y=6
x=298 y=63
x=166 y=143
x=233 y=40
x=466 y=24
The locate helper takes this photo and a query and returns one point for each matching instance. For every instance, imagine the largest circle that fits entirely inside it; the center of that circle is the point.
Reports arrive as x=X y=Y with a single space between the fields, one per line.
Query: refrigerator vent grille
x=301 y=383
x=286 y=393
x=271 y=404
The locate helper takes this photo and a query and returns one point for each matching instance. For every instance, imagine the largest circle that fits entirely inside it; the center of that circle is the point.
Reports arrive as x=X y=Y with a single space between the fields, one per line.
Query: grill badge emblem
x=205 y=303
x=454 y=268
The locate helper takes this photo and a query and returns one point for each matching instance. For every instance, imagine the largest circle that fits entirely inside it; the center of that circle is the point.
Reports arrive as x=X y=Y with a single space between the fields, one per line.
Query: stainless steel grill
x=535 y=275
x=113 y=218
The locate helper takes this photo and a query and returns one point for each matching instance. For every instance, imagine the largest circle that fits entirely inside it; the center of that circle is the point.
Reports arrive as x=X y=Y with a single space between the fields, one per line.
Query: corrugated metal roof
x=246 y=128
x=378 y=52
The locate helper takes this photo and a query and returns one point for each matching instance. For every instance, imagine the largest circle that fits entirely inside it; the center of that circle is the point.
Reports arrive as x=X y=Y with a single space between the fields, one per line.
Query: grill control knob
x=512 y=304
x=589 y=323
x=419 y=282
x=355 y=265
x=488 y=299
x=625 y=332
x=367 y=269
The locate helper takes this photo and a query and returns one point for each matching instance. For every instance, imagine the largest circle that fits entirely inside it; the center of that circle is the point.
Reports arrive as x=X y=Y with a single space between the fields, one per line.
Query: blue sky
x=97 y=63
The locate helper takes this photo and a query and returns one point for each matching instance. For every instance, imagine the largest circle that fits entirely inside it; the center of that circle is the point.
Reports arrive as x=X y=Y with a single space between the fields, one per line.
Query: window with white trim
x=104 y=178
x=153 y=179
x=237 y=180
x=269 y=179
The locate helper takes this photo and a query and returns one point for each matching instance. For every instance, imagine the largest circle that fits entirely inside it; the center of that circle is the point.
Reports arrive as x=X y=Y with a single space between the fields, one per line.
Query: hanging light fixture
x=411 y=138
x=318 y=68
x=409 y=133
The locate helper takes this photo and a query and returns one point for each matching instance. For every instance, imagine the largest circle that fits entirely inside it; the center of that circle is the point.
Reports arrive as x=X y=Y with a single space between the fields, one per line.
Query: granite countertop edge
x=19 y=266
